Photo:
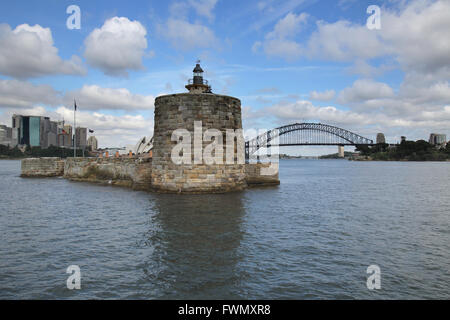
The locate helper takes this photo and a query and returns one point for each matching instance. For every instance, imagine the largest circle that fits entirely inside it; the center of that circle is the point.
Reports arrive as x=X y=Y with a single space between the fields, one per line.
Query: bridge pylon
x=341 y=151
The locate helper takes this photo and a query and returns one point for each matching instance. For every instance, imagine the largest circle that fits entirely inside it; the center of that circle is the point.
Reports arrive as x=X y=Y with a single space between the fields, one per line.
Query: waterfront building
x=15 y=130
x=438 y=139
x=81 y=137
x=48 y=132
x=5 y=136
x=33 y=131
x=92 y=143
x=381 y=138
x=64 y=135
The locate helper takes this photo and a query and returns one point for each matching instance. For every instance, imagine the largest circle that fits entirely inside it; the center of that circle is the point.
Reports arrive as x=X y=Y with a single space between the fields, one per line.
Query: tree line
x=419 y=150
x=37 y=152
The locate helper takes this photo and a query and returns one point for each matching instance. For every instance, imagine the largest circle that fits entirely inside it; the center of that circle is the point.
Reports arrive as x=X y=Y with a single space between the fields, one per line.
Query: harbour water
x=312 y=237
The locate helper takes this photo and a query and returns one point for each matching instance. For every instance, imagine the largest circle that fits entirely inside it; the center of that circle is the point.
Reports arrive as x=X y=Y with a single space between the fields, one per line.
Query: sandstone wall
x=137 y=173
x=127 y=172
x=180 y=111
x=262 y=174
x=42 y=167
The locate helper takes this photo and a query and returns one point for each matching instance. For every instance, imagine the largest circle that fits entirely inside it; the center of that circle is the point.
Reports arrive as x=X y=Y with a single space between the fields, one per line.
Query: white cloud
x=365 y=89
x=111 y=130
x=344 y=41
x=28 y=51
x=117 y=47
x=280 y=42
x=288 y=27
x=345 y=4
x=322 y=96
x=416 y=34
x=184 y=35
x=304 y=110
x=362 y=68
x=204 y=7
x=436 y=93
x=411 y=99
x=22 y=94
x=93 y=97
x=420 y=35
x=284 y=48
x=102 y=121
x=418 y=124
x=272 y=10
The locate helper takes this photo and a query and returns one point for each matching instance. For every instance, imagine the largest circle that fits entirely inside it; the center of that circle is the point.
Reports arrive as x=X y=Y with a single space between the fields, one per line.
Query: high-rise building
x=81 y=136
x=34 y=131
x=437 y=139
x=381 y=138
x=5 y=136
x=15 y=130
x=48 y=132
x=64 y=135
x=92 y=143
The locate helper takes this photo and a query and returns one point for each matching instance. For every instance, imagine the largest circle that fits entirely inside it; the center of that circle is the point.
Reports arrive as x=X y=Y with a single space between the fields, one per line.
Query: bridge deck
x=317 y=144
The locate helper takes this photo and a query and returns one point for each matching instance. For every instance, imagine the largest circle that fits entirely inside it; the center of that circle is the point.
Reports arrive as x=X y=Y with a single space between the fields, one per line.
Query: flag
x=91 y=131
x=75 y=105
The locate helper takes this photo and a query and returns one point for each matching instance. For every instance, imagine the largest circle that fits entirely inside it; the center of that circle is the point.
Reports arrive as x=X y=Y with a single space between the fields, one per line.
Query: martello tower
x=196 y=112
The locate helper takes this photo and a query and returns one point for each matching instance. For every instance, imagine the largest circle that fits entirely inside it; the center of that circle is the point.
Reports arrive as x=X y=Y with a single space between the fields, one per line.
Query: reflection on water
x=312 y=237
x=195 y=240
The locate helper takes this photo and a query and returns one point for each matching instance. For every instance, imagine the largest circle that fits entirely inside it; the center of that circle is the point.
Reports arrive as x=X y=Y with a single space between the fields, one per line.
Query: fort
x=184 y=111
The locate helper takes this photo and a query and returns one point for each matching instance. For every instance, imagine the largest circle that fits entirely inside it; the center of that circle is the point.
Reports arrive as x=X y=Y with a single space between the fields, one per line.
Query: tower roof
x=197 y=68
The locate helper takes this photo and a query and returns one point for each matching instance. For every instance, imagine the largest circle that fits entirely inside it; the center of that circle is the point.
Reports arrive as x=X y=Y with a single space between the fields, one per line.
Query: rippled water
x=312 y=237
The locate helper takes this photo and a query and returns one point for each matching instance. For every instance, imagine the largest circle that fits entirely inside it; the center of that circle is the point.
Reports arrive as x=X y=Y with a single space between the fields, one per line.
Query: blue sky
x=288 y=61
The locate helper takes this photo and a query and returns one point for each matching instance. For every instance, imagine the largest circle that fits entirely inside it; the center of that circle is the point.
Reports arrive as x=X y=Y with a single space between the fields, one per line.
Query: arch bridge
x=305 y=134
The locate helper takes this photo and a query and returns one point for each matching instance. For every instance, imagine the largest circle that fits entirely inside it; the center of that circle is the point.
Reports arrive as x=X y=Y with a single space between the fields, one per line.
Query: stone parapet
x=42 y=167
x=262 y=174
x=137 y=174
x=127 y=172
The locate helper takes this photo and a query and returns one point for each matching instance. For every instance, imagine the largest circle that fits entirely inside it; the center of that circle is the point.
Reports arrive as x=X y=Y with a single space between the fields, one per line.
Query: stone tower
x=195 y=114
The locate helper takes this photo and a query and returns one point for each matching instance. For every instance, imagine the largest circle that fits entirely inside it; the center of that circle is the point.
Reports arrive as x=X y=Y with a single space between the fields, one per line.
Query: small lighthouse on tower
x=197 y=84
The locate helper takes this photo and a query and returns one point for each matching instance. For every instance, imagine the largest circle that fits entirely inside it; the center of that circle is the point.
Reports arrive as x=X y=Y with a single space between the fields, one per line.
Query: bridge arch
x=299 y=134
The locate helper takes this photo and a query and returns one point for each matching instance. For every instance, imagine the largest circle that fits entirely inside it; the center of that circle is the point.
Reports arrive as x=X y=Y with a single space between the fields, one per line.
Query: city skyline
x=379 y=81
x=41 y=131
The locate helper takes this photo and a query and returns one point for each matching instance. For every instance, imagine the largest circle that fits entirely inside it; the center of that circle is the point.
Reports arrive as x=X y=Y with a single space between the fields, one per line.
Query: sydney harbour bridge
x=305 y=134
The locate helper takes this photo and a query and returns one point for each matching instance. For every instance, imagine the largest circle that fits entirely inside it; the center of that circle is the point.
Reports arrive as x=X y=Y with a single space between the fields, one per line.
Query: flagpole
x=75 y=129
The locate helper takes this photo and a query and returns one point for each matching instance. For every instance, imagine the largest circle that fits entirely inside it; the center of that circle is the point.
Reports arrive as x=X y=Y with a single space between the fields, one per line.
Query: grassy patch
x=99 y=174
